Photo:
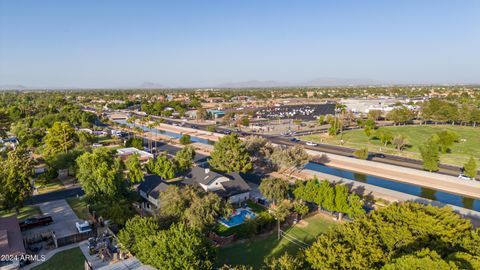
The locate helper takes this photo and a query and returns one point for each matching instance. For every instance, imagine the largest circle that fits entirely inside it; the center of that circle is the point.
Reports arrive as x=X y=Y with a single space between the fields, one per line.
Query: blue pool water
x=238 y=218
x=166 y=133
x=427 y=193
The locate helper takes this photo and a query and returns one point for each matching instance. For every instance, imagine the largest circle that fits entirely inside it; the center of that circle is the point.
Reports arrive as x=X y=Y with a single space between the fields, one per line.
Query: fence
x=75 y=238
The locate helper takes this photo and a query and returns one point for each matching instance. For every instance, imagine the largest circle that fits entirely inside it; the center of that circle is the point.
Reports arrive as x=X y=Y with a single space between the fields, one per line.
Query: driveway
x=63 y=218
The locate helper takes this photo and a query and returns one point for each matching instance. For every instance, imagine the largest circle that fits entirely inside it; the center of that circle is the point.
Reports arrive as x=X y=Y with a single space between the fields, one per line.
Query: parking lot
x=63 y=219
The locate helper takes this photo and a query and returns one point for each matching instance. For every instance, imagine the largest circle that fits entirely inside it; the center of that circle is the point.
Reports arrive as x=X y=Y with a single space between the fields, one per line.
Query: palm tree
x=342 y=108
x=150 y=125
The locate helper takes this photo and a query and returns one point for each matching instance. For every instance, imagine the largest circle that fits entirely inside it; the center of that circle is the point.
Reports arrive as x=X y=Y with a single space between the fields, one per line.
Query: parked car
x=227 y=131
x=83 y=227
x=311 y=144
x=96 y=145
x=294 y=140
x=31 y=223
x=464 y=177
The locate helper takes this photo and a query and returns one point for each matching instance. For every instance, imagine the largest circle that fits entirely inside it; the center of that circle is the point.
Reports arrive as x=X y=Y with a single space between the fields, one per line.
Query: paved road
x=56 y=195
x=335 y=149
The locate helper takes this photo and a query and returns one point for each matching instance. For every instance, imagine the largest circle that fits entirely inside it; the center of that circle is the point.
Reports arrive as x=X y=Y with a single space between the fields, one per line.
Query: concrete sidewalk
x=50 y=254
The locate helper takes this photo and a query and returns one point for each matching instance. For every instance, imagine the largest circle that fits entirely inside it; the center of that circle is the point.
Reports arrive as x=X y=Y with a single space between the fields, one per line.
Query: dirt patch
x=302 y=223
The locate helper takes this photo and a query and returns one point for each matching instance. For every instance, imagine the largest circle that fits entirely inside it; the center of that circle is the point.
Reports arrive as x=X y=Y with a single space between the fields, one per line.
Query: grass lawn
x=79 y=207
x=254 y=252
x=52 y=185
x=71 y=259
x=25 y=212
x=416 y=135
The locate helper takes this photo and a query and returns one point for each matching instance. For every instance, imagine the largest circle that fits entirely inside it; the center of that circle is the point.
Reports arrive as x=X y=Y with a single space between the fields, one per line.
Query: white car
x=83 y=227
x=464 y=177
x=311 y=144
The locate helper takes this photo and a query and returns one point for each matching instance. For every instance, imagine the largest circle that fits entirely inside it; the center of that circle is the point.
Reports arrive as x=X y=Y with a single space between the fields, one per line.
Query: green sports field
x=469 y=144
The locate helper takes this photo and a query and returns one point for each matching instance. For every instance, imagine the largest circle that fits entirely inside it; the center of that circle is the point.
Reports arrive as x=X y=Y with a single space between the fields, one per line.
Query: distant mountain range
x=151 y=85
x=13 y=87
x=316 y=82
x=319 y=82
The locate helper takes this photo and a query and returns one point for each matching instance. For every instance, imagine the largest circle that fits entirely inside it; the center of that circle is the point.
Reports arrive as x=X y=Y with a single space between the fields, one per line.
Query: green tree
x=280 y=212
x=184 y=158
x=424 y=259
x=274 y=189
x=135 y=173
x=430 y=157
x=301 y=208
x=230 y=155
x=376 y=239
x=185 y=139
x=15 y=178
x=399 y=141
x=307 y=190
x=100 y=174
x=368 y=131
x=355 y=206
x=289 y=159
x=136 y=229
x=135 y=142
x=161 y=166
x=341 y=200
x=400 y=115
x=326 y=196
x=64 y=160
x=374 y=114
x=85 y=139
x=385 y=137
x=179 y=247
x=286 y=262
x=193 y=206
x=245 y=121
x=60 y=138
x=361 y=153
x=4 y=123
x=445 y=140
x=470 y=168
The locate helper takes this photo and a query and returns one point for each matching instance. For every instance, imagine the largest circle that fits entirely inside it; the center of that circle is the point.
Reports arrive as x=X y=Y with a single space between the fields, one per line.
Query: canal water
x=411 y=189
x=427 y=193
x=166 y=133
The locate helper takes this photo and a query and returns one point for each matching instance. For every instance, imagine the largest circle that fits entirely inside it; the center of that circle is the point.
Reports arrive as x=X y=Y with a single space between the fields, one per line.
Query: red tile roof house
x=11 y=242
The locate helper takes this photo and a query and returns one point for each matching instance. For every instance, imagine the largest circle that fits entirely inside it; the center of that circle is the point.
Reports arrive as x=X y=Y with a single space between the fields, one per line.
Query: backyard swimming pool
x=238 y=217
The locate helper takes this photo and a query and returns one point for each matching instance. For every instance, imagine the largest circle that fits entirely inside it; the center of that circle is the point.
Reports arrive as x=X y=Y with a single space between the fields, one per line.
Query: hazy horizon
x=117 y=44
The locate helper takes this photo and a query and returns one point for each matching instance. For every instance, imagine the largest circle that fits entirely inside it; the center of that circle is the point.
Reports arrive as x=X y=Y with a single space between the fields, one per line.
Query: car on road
x=227 y=131
x=294 y=140
x=31 y=223
x=83 y=227
x=464 y=177
x=311 y=144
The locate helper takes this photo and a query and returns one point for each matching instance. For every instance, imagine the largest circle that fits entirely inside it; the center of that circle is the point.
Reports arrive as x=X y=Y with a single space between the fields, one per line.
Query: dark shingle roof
x=11 y=239
x=153 y=184
x=235 y=185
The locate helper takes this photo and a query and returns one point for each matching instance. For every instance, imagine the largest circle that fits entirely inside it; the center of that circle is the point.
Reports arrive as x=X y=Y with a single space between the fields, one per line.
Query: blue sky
x=197 y=43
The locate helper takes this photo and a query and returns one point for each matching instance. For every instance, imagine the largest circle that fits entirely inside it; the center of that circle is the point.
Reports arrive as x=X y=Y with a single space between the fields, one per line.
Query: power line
x=294 y=240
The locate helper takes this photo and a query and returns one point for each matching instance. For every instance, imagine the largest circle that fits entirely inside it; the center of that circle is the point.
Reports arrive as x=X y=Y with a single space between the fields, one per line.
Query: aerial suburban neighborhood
x=208 y=173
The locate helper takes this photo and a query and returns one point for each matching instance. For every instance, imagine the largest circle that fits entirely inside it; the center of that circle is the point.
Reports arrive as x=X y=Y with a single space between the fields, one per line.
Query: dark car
x=31 y=223
x=227 y=131
x=294 y=140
